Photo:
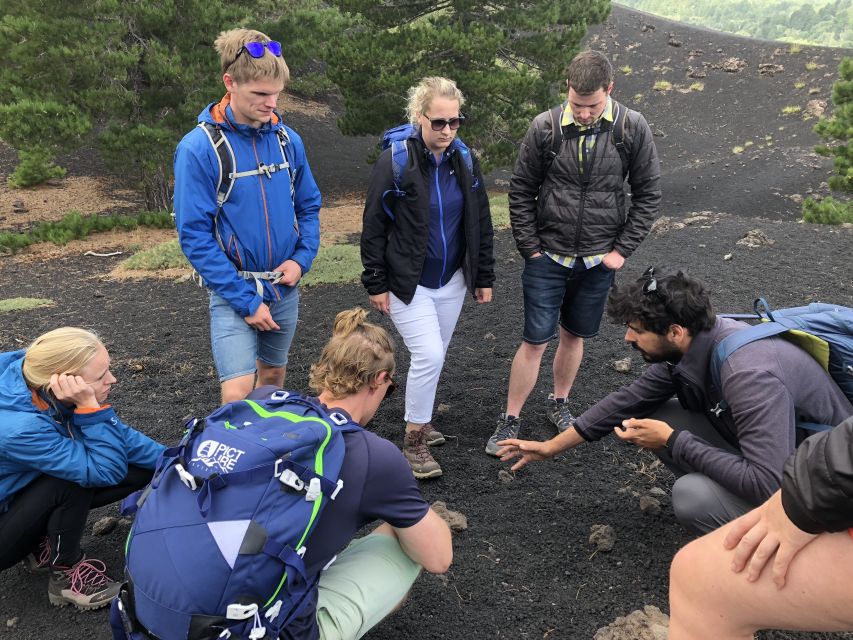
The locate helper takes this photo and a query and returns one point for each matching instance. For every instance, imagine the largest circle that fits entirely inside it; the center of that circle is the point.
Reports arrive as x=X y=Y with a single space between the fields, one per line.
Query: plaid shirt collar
x=569 y=118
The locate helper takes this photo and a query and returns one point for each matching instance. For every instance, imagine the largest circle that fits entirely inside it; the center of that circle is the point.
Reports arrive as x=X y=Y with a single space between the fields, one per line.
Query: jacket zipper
x=441 y=223
x=585 y=178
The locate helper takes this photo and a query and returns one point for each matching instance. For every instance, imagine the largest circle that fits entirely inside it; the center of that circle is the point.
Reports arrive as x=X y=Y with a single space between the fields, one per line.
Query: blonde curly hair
x=356 y=354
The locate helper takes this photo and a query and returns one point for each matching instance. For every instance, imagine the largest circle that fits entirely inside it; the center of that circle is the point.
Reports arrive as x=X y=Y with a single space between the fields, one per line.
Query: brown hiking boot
x=432 y=437
x=416 y=452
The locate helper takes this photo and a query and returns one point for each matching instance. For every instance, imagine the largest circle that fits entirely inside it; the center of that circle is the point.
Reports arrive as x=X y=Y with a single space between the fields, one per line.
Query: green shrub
x=627 y=70
x=34 y=167
x=828 y=211
x=167 y=255
x=791 y=109
x=662 y=85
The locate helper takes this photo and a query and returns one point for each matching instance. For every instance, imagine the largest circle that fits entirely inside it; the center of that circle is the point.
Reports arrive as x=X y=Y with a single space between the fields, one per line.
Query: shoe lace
x=506 y=429
x=87 y=575
x=43 y=555
x=566 y=417
x=418 y=446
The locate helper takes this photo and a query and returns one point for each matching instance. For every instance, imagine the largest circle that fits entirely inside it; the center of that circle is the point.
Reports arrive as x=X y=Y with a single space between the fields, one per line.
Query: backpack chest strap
x=263 y=169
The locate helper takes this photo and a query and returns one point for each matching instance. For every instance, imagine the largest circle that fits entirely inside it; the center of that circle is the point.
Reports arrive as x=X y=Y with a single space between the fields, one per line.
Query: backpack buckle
x=313 y=492
x=338 y=418
x=186 y=477
x=337 y=489
x=280 y=394
x=241 y=611
x=289 y=478
x=717 y=410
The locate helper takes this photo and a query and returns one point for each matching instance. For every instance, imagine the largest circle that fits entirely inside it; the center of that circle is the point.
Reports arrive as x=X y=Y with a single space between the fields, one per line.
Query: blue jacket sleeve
x=142 y=451
x=195 y=211
x=306 y=206
x=98 y=459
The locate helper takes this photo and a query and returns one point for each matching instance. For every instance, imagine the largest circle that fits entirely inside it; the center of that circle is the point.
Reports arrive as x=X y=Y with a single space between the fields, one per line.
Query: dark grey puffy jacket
x=553 y=211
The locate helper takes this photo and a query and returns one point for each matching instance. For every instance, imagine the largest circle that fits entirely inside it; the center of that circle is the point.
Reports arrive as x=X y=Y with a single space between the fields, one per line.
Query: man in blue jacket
x=247 y=212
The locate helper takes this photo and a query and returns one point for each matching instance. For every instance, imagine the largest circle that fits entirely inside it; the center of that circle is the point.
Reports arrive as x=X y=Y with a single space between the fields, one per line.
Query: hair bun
x=348 y=321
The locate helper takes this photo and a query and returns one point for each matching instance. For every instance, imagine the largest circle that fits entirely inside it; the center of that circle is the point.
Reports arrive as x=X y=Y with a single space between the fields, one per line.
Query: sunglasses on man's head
x=438 y=124
x=256 y=49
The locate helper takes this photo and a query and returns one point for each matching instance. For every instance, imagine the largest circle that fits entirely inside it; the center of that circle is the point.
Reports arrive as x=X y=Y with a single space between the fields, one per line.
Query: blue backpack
x=396 y=139
x=217 y=544
x=825 y=331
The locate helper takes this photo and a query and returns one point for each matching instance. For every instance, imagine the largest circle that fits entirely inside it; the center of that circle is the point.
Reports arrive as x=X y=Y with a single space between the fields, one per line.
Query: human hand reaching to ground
x=613 y=260
x=381 y=302
x=290 y=272
x=761 y=533
x=645 y=433
x=261 y=319
x=72 y=390
x=525 y=450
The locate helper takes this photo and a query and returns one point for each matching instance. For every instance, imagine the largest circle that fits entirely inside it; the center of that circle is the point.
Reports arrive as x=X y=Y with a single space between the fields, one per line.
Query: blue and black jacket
x=91 y=448
x=260 y=225
x=431 y=236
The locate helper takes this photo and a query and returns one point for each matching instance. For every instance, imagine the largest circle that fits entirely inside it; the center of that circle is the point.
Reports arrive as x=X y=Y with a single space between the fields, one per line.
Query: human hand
x=613 y=260
x=73 y=391
x=290 y=271
x=535 y=254
x=525 y=450
x=381 y=302
x=645 y=433
x=759 y=534
x=261 y=319
x=483 y=294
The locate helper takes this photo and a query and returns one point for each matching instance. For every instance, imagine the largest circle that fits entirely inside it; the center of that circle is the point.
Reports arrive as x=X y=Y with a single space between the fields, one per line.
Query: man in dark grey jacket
x=728 y=462
x=572 y=226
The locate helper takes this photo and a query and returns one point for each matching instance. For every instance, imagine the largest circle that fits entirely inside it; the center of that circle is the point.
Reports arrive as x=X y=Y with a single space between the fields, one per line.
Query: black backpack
x=616 y=128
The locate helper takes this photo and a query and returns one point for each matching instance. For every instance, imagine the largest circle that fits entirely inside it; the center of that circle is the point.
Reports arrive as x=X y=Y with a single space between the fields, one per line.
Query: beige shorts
x=366 y=583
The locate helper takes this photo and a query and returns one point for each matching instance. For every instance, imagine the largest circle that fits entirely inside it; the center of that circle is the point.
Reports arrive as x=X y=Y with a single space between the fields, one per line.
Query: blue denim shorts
x=575 y=297
x=237 y=346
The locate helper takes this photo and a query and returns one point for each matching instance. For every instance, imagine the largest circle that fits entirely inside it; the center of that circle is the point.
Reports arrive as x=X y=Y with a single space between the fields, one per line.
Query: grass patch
x=638 y=97
x=499 y=206
x=23 y=304
x=748 y=143
x=828 y=211
x=627 y=70
x=75 y=226
x=737 y=150
x=791 y=109
x=795 y=49
x=799 y=85
x=335 y=264
x=662 y=85
x=167 y=255
x=811 y=66
x=697 y=86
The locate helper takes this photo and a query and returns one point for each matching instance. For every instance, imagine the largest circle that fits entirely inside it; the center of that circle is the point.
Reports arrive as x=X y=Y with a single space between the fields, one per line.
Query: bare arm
x=428 y=543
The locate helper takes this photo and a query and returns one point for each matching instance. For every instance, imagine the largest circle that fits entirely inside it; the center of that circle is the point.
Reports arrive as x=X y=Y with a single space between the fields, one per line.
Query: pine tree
x=837 y=131
x=507 y=57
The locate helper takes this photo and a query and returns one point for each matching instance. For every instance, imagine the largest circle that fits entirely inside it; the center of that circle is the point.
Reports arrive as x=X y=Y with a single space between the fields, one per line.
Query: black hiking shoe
x=86 y=585
x=508 y=427
x=559 y=414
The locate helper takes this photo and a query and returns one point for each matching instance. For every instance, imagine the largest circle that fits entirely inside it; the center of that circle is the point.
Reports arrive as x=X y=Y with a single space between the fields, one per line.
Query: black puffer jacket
x=555 y=212
x=393 y=251
x=817 y=486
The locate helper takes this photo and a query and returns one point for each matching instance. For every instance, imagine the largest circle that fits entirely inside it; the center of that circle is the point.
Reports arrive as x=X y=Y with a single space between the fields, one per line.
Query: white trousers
x=426 y=325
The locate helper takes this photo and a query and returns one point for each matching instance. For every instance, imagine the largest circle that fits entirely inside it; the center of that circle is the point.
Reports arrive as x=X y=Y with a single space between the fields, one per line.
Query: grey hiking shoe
x=432 y=438
x=415 y=449
x=38 y=561
x=86 y=585
x=507 y=428
x=559 y=414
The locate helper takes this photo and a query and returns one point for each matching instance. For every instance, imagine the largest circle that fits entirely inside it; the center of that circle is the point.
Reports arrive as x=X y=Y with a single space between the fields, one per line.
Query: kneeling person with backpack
x=236 y=536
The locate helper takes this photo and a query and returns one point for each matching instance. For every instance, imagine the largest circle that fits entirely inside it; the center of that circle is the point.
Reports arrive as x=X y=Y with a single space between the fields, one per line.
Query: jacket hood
x=14 y=393
x=220 y=113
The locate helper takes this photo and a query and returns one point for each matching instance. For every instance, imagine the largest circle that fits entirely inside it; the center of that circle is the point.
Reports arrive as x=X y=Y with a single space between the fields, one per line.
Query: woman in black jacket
x=805 y=528
x=426 y=240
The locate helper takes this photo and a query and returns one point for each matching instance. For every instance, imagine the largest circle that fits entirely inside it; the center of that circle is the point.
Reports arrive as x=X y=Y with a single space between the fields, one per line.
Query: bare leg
x=523 y=375
x=567 y=361
x=708 y=601
x=270 y=375
x=237 y=388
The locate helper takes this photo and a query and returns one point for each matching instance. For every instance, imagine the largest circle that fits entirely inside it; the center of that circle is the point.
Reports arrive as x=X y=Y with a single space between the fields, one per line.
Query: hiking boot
x=508 y=427
x=559 y=414
x=38 y=560
x=86 y=585
x=432 y=437
x=416 y=452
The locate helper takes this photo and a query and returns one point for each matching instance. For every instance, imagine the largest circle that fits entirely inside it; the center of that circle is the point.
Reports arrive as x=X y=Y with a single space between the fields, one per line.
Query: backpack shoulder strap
x=399 y=160
x=225 y=156
x=555 y=115
x=287 y=159
x=619 y=136
x=467 y=160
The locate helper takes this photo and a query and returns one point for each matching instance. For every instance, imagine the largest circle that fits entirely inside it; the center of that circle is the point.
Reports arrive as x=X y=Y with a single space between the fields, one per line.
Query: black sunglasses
x=258 y=49
x=391 y=388
x=438 y=124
